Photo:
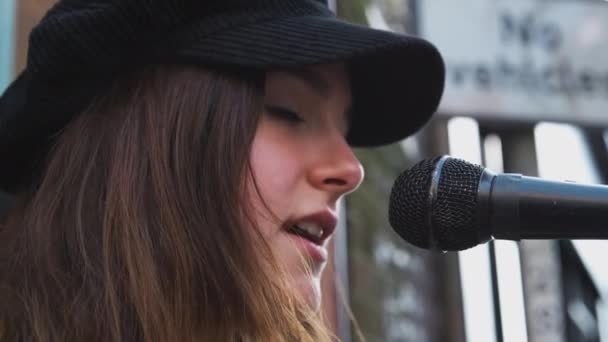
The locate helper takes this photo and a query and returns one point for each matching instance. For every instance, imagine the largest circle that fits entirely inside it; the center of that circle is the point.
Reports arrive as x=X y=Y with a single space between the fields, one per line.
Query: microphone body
x=521 y=207
x=450 y=204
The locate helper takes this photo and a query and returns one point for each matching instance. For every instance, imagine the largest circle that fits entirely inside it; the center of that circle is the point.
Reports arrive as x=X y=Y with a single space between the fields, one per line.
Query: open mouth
x=308 y=234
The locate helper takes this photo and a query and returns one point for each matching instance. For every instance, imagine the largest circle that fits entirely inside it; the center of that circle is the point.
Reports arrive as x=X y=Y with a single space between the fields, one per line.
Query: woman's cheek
x=277 y=166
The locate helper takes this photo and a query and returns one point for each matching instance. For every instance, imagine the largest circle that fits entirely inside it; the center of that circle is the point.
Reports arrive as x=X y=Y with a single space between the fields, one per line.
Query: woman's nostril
x=335 y=181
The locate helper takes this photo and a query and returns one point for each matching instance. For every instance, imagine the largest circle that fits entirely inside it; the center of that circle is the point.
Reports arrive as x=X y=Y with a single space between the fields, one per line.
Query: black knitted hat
x=80 y=45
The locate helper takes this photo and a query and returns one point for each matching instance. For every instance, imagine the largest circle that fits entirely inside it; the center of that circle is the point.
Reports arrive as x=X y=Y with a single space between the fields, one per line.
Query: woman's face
x=302 y=166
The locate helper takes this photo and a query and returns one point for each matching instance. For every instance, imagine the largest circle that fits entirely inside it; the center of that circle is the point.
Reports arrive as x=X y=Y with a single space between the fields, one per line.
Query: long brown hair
x=138 y=229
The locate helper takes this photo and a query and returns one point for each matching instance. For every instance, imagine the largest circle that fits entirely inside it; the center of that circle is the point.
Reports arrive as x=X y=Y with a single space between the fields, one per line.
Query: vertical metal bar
x=506 y=264
x=493 y=270
x=496 y=292
x=510 y=288
x=341 y=266
x=476 y=281
x=412 y=23
x=598 y=148
x=541 y=269
x=341 y=261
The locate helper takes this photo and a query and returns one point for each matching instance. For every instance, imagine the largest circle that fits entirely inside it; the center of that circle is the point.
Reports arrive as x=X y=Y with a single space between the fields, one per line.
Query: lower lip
x=317 y=253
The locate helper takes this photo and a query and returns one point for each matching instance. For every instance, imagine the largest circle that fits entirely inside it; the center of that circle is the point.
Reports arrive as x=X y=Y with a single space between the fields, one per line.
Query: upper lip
x=326 y=219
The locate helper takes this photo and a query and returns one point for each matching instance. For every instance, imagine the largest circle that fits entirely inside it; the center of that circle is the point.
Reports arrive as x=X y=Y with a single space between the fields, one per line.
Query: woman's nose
x=337 y=170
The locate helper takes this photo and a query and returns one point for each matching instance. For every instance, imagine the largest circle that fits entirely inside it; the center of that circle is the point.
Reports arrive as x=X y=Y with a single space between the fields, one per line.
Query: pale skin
x=303 y=166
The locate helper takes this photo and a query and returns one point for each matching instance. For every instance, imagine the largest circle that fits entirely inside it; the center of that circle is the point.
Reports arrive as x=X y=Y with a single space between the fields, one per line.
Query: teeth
x=311 y=228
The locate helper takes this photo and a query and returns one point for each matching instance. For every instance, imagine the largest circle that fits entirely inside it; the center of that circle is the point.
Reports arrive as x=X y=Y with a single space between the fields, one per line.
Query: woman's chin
x=309 y=289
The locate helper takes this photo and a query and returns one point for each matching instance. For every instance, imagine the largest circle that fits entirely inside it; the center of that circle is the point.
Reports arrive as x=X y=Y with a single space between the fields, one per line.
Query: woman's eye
x=283 y=113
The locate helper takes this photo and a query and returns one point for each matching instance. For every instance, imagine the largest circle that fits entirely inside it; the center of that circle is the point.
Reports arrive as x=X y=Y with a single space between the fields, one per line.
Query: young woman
x=176 y=165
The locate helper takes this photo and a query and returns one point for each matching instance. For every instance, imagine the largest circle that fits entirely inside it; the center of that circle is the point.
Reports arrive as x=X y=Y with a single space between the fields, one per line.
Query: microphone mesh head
x=455 y=219
x=454 y=209
x=407 y=211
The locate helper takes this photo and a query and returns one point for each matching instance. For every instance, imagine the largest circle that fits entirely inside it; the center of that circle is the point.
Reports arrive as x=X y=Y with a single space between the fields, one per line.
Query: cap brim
x=397 y=80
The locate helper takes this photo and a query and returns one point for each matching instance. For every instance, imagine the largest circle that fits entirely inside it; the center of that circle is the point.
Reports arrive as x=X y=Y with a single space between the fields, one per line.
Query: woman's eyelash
x=283 y=113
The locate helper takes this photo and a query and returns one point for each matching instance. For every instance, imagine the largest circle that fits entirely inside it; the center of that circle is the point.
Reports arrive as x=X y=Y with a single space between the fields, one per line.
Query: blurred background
x=526 y=92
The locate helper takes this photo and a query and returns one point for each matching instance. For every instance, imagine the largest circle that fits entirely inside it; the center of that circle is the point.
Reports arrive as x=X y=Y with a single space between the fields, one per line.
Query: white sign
x=526 y=60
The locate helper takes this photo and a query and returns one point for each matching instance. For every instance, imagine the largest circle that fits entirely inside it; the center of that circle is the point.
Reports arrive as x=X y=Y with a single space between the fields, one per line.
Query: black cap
x=80 y=45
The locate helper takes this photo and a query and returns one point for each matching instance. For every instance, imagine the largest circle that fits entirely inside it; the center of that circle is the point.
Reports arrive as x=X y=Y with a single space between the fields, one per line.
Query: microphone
x=449 y=204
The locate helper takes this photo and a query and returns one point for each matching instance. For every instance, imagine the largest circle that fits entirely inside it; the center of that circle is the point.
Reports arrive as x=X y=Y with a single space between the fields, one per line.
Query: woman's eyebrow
x=314 y=79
